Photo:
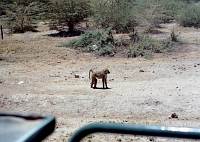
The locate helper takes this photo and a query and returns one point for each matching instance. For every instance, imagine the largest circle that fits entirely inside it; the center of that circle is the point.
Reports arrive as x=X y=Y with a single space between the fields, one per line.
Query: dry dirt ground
x=37 y=76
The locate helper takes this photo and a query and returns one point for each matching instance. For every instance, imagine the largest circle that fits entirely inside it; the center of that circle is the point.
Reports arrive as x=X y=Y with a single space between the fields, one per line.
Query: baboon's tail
x=89 y=72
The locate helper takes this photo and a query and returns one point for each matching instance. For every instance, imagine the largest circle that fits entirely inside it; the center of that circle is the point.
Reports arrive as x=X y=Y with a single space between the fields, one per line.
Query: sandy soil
x=37 y=76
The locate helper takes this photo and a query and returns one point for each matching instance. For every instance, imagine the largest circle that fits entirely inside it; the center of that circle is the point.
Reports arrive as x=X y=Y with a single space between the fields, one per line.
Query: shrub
x=174 y=36
x=68 y=12
x=146 y=46
x=21 y=15
x=100 y=42
x=190 y=17
x=115 y=14
x=149 y=13
x=122 y=42
x=171 y=9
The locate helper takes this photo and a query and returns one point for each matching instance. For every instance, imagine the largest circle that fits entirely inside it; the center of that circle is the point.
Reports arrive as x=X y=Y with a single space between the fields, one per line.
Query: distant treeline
x=119 y=15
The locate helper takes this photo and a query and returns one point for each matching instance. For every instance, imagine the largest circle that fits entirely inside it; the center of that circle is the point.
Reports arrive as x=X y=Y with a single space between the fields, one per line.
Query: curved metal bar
x=39 y=132
x=26 y=117
x=159 y=131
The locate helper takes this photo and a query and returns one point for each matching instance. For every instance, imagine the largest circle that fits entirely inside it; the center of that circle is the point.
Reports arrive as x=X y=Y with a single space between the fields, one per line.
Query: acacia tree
x=117 y=14
x=68 y=12
x=3 y=6
x=21 y=14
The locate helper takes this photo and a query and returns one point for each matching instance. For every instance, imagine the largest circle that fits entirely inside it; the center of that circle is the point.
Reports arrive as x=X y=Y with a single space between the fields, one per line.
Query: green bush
x=122 y=42
x=100 y=42
x=171 y=9
x=115 y=14
x=22 y=15
x=190 y=17
x=148 y=13
x=174 y=36
x=146 y=46
x=151 y=13
x=68 y=13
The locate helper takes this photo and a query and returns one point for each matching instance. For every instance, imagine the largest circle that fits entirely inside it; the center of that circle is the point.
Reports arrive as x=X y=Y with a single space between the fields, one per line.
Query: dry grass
x=7 y=47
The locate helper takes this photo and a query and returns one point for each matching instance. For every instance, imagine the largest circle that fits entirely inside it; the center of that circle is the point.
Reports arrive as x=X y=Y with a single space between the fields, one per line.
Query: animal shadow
x=101 y=88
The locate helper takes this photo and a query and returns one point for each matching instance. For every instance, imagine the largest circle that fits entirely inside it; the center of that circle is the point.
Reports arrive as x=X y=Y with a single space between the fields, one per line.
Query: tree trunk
x=1 y=32
x=71 y=26
x=22 y=26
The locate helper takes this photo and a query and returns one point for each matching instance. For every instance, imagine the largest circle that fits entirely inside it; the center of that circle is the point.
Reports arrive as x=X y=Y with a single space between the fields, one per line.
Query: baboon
x=99 y=75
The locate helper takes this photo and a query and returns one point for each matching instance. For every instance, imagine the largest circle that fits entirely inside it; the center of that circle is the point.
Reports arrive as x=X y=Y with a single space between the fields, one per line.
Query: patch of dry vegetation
x=7 y=47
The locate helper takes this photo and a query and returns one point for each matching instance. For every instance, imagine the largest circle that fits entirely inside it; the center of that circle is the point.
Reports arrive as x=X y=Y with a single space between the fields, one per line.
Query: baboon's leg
x=91 y=84
x=95 y=83
x=106 y=82
x=103 y=81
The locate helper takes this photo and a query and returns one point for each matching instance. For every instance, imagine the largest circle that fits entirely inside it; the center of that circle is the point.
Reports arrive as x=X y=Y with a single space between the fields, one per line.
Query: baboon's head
x=106 y=71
